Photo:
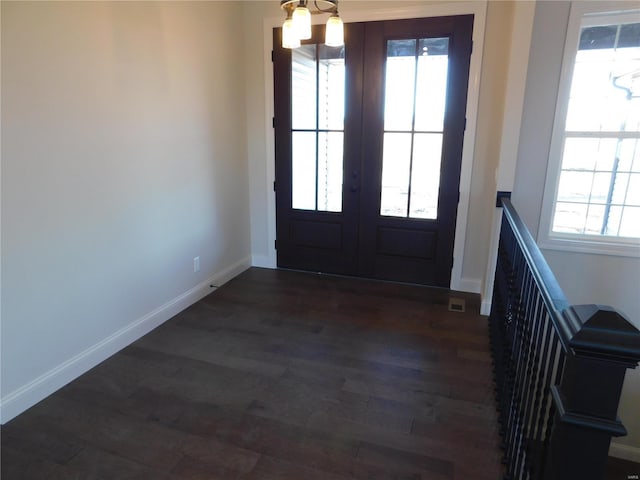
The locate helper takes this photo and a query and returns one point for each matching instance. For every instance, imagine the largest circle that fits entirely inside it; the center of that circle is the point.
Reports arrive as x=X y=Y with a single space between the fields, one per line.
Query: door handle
x=354 y=187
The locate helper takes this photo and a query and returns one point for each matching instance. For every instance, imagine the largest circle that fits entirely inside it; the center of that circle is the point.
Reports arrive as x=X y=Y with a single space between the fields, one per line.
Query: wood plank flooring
x=279 y=375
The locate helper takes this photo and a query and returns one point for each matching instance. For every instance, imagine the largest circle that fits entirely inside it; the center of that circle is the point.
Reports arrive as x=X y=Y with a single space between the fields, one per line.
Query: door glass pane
x=303 y=170
x=331 y=80
x=396 y=160
x=303 y=87
x=330 y=147
x=431 y=86
x=425 y=175
x=317 y=127
x=399 y=84
x=415 y=103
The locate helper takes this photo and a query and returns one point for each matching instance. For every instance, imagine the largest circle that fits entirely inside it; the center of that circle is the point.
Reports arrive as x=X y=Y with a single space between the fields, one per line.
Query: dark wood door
x=372 y=190
x=408 y=217
x=318 y=112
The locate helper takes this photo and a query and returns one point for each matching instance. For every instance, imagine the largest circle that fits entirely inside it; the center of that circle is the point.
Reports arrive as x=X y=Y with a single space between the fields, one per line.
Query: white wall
x=123 y=158
x=585 y=278
x=259 y=17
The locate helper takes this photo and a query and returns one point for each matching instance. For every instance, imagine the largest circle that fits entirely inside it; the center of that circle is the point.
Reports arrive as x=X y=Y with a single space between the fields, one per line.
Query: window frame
x=582 y=14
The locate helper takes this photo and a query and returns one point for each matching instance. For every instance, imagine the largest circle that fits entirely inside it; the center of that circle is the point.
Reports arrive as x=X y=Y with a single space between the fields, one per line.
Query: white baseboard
x=625 y=452
x=485 y=307
x=470 y=285
x=28 y=395
x=223 y=276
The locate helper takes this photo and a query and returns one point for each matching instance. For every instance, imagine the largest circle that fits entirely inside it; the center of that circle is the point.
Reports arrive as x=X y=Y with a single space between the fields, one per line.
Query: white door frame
x=479 y=10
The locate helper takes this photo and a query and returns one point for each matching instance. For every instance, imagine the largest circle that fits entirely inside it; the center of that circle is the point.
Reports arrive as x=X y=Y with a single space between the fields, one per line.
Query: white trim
x=603 y=134
x=597 y=246
x=492 y=259
x=28 y=395
x=485 y=307
x=479 y=10
x=625 y=452
x=512 y=122
x=596 y=16
x=223 y=276
x=470 y=285
x=468 y=149
x=546 y=237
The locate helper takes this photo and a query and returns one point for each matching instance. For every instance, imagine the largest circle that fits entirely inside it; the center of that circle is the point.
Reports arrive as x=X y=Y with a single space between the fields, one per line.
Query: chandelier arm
x=332 y=9
x=332 y=5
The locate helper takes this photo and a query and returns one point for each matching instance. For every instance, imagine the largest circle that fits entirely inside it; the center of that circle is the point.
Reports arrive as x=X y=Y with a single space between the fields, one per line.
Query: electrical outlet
x=196 y=264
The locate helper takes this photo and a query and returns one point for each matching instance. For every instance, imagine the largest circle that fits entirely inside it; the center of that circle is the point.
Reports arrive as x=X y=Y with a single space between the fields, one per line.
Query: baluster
x=555 y=373
x=536 y=310
x=558 y=370
x=520 y=342
x=543 y=348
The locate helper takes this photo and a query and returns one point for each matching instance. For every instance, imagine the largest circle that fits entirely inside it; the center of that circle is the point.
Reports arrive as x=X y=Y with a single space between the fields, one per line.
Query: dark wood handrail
x=550 y=290
x=612 y=336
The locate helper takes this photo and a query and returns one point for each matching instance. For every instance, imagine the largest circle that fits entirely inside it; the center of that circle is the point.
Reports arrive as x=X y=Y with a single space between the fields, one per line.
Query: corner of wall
x=28 y=395
x=625 y=452
x=263 y=261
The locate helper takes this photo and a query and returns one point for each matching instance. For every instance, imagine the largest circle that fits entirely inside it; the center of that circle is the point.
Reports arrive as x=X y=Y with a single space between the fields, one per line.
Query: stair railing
x=558 y=369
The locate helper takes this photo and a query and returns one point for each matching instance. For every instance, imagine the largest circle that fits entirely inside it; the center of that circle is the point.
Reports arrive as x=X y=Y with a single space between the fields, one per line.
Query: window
x=415 y=96
x=594 y=189
x=317 y=118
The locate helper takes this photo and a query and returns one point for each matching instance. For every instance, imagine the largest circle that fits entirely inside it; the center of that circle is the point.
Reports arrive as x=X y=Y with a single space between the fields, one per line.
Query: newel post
x=601 y=345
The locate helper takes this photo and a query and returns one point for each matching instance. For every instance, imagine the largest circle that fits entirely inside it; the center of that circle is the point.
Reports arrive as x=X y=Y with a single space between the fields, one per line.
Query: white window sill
x=581 y=244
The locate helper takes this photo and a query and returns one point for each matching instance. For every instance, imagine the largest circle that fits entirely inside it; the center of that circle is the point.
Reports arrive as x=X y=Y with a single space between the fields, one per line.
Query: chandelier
x=297 y=25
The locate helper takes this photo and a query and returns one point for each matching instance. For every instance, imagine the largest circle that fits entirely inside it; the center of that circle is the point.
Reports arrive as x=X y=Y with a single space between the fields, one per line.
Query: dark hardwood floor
x=279 y=375
x=618 y=469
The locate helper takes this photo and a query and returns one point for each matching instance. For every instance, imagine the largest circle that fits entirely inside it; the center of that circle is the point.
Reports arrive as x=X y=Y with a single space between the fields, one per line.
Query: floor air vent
x=457 y=304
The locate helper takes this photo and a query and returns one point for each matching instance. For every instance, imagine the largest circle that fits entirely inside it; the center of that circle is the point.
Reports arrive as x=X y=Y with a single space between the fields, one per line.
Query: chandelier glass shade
x=302 y=22
x=290 y=37
x=334 y=33
x=297 y=25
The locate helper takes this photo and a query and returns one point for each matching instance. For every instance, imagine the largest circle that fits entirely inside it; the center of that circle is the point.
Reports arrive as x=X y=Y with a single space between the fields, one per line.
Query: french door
x=368 y=144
